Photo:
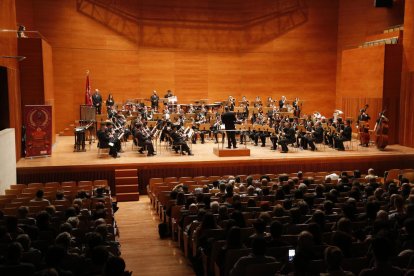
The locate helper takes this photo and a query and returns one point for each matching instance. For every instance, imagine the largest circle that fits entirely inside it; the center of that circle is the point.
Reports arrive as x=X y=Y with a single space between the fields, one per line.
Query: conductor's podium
x=224 y=152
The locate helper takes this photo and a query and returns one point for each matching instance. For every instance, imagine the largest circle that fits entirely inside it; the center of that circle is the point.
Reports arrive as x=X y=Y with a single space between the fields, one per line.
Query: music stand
x=257 y=128
x=190 y=116
x=157 y=116
x=151 y=123
x=204 y=127
x=239 y=109
x=174 y=117
x=301 y=128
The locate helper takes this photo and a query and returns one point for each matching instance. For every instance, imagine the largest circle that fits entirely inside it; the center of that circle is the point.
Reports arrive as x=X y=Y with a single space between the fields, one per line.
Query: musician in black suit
x=144 y=140
x=97 y=101
x=344 y=135
x=107 y=139
x=363 y=116
x=318 y=133
x=309 y=137
x=169 y=94
x=282 y=102
x=154 y=100
x=288 y=137
x=229 y=118
x=109 y=103
x=178 y=141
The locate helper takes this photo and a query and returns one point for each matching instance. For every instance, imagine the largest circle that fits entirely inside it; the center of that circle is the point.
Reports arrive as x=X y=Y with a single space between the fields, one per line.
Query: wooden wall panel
x=156 y=73
x=31 y=69
x=392 y=87
x=407 y=81
x=358 y=20
x=37 y=86
x=48 y=83
x=224 y=76
x=8 y=47
x=377 y=77
x=190 y=76
x=352 y=106
x=198 y=49
x=362 y=72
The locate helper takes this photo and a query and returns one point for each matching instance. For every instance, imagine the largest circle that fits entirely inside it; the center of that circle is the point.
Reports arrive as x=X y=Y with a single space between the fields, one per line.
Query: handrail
x=28 y=34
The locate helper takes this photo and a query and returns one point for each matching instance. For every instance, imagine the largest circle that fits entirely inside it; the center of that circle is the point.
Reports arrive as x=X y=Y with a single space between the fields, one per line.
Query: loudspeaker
x=383 y=3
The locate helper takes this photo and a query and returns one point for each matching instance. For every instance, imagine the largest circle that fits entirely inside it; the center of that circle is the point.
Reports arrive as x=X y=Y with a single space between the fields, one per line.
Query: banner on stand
x=38 y=122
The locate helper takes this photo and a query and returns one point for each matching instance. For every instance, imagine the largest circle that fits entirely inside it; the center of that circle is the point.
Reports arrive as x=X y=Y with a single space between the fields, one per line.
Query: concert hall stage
x=64 y=164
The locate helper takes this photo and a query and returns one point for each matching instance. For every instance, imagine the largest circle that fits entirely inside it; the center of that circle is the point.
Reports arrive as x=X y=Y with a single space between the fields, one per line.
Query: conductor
x=228 y=118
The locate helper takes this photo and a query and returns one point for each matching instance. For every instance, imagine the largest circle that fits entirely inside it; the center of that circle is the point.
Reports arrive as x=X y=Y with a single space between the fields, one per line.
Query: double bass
x=381 y=131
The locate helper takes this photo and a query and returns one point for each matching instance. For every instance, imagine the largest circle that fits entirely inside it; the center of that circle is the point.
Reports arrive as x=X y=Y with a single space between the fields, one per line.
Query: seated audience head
x=25 y=241
x=276 y=229
x=259 y=246
x=233 y=238
x=237 y=216
x=14 y=253
x=39 y=194
x=22 y=212
x=382 y=249
x=333 y=258
x=214 y=206
x=305 y=241
x=115 y=266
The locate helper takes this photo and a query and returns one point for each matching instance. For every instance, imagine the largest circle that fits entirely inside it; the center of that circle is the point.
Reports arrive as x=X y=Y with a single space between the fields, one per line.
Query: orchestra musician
x=216 y=129
x=200 y=119
x=178 y=141
x=154 y=101
x=318 y=133
x=270 y=102
x=329 y=134
x=255 y=135
x=309 y=137
x=344 y=134
x=231 y=103
x=228 y=118
x=119 y=121
x=191 y=109
x=109 y=103
x=296 y=107
x=363 y=126
x=257 y=102
x=282 y=102
x=109 y=138
x=97 y=101
x=169 y=94
x=287 y=137
x=111 y=112
x=144 y=140
x=274 y=133
x=146 y=114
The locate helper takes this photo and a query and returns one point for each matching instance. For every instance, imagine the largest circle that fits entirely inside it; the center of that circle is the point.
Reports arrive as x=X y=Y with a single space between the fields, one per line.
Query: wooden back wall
x=199 y=49
x=8 y=47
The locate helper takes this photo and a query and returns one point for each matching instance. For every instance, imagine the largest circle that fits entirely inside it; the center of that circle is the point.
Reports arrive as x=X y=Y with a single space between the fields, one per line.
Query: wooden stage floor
x=63 y=154
x=64 y=164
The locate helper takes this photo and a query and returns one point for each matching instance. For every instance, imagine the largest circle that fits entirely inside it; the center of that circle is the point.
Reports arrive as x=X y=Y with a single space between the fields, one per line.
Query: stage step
x=126 y=185
x=121 y=197
x=126 y=189
x=126 y=180
x=126 y=173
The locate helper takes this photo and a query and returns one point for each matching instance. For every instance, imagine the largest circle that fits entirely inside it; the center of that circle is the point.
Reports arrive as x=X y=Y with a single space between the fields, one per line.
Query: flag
x=88 y=97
